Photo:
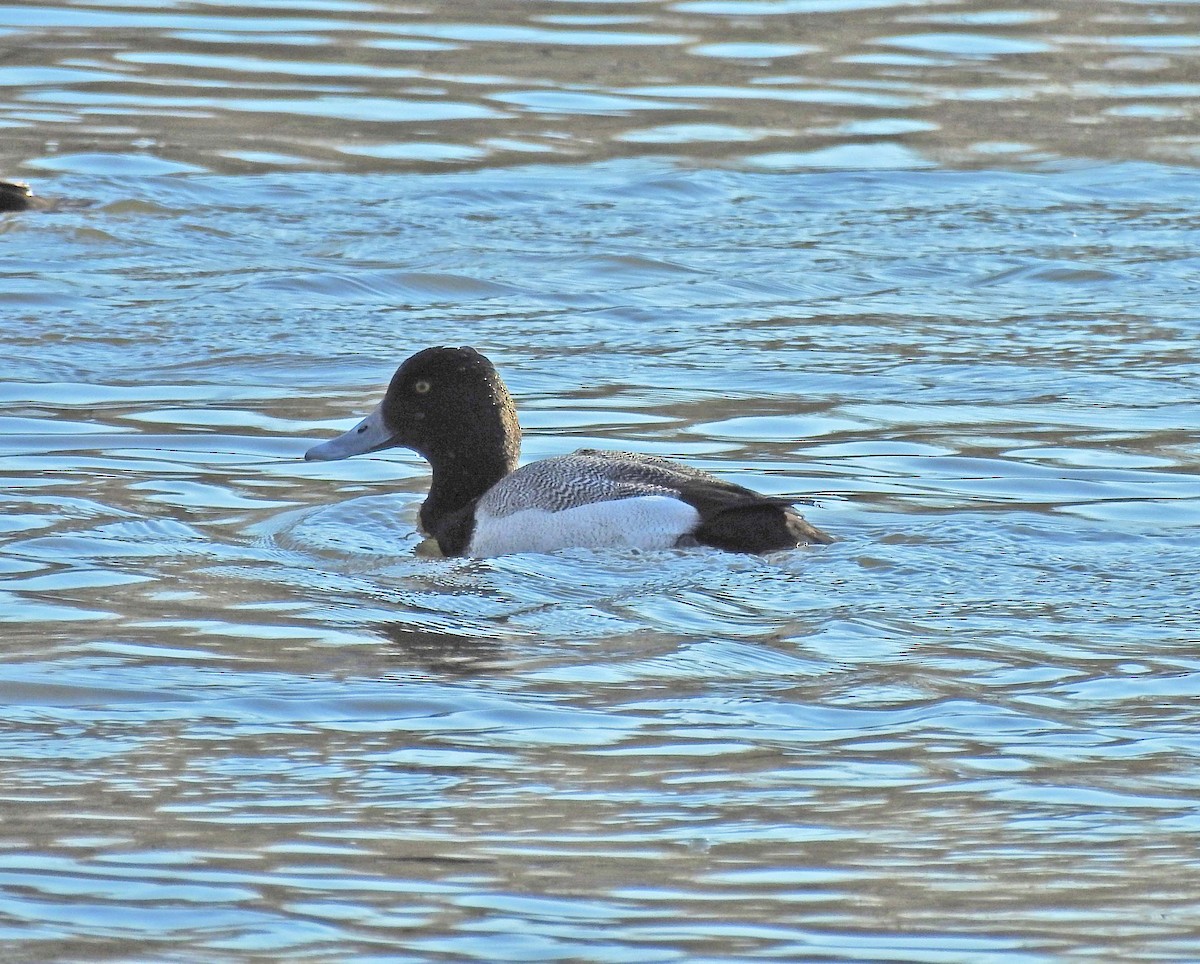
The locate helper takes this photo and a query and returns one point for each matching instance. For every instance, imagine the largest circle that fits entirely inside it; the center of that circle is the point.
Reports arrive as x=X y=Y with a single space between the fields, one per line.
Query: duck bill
x=369 y=435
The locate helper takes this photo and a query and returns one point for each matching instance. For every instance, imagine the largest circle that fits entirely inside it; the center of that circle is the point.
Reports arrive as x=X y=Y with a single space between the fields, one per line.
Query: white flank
x=644 y=522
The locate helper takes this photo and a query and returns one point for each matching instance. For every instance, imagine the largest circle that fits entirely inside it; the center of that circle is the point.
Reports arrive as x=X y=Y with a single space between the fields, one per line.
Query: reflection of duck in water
x=442 y=651
x=450 y=406
x=15 y=196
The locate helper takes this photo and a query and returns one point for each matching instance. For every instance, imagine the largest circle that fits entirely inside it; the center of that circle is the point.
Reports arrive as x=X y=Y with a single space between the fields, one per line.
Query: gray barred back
x=590 y=475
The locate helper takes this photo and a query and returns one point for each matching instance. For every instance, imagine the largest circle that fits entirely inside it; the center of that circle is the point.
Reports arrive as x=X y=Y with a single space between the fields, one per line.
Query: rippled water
x=929 y=266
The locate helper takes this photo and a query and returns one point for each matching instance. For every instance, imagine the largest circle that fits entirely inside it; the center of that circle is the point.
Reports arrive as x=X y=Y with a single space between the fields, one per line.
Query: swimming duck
x=15 y=196
x=450 y=406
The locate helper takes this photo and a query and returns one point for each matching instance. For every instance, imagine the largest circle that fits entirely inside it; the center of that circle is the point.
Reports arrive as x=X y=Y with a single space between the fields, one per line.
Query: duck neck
x=462 y=476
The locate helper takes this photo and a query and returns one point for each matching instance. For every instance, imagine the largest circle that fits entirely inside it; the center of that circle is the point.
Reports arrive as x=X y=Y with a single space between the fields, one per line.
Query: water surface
x=928 y=268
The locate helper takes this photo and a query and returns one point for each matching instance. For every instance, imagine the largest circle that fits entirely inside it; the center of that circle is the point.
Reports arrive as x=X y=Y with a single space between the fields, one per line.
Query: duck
x=451 y=407
x=15 y=196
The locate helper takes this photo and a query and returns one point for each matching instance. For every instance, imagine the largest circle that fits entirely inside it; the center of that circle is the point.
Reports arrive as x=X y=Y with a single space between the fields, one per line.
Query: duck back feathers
x=607 y=498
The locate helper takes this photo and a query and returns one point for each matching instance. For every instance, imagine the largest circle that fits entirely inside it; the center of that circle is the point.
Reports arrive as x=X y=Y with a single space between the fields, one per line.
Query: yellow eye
x=422 y=387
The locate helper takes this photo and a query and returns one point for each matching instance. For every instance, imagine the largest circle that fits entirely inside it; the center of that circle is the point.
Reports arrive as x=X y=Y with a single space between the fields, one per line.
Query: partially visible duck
x=19 y=196
x=450 y=406
x=15 y=196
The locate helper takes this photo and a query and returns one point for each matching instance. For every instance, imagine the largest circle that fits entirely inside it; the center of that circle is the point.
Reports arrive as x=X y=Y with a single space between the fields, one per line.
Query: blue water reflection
x=928 y=270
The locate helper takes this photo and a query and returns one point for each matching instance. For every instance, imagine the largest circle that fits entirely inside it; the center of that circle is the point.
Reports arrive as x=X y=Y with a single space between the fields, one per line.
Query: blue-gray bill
x=369 y=435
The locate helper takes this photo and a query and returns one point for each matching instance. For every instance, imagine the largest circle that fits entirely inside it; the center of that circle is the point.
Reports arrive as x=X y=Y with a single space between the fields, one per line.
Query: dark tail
x=759 y=527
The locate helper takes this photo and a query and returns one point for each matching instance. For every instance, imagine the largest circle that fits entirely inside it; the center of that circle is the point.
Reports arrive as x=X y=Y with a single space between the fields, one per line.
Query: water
x=930 y=267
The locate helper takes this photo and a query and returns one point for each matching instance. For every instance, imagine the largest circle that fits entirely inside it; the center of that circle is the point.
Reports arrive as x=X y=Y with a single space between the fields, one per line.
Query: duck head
x=447 y=404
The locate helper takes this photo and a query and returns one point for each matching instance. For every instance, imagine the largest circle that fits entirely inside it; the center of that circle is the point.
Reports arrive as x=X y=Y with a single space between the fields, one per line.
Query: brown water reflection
x=245 y=719
x=783 y=83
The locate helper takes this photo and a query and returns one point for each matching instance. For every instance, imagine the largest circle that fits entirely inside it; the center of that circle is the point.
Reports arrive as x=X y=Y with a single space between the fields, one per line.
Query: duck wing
x=732 y=517
x=581 y=478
